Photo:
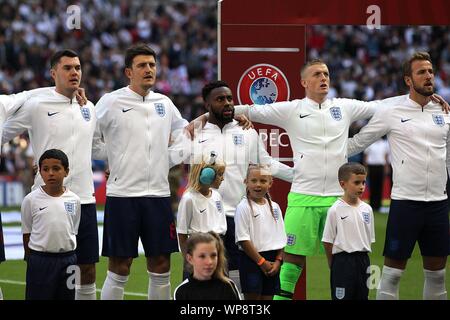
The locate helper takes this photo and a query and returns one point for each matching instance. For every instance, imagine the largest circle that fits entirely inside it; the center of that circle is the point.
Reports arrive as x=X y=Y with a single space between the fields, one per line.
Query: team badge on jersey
x=290 y=239
x=438 y=119
x=70 y=208
x=86 y=113
x=336 y=113
x=366 y=217
x=219 y=205
x=261 y=84
x=340 y=293
x=238 y=139
x=276 y=214
x=160 y=109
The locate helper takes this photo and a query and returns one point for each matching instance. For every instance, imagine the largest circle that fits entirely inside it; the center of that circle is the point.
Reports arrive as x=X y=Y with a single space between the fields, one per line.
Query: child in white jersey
x=347 y=237
x=50 y=220
x=260 y=235
x=201 y=208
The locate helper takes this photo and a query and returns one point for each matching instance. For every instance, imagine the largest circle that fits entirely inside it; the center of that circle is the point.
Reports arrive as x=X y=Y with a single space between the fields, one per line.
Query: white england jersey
x=418 y=139
x=54 y=121
x=52 y=221
x=237 y=148
x=197 y=213
x=265 y=231
x=349 y=228
x=12 y=102
x=318 y=134
x=137 y=131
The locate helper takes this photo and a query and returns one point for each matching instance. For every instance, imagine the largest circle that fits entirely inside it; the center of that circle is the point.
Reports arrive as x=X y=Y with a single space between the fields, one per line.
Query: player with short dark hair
x=9 y=104
x=348 y=233
x=50 y=220
x=55 y=119
x=419 y=139
x=137 y=50
x=58 y=55
x=137 y=125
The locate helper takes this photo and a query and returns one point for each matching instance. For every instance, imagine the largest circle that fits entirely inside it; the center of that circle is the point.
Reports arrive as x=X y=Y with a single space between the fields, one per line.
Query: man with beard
x=136 y=124
x=418 y=135
x=237 y=148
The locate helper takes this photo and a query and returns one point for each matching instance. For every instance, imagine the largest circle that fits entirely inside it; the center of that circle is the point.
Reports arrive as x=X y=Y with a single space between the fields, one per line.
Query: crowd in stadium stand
x=364 y=64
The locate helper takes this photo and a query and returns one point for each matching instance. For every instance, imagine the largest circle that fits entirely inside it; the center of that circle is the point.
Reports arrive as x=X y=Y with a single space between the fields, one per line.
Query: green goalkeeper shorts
x=304 y=224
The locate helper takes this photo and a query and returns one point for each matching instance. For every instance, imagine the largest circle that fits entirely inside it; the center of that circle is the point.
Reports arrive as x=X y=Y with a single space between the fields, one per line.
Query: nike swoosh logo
x=304 y=116
x=40 y=209
x=51 y=113
x=342 y=218
x=126 y=110
x=201 y=141
x=201 y=211
x=256 y=216
x=404 y=120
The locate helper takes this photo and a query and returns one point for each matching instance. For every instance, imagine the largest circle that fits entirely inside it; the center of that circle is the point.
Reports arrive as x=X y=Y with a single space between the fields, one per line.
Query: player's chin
x=74 y=85
x=150 y=81
x=429 y=90
x=148 y=84
x=227 y=118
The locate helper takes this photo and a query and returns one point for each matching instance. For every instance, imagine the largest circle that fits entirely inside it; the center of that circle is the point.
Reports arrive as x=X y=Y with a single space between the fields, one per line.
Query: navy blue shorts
x=2 y=243
x=232 y=251
x=48 y=278
x=411 y=221
x=128 y=219
x=253 y=280
x=348 y=276
x=87 y=238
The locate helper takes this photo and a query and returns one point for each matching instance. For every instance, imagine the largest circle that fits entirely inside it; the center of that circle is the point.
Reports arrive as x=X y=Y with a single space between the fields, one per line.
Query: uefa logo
x=262 y=84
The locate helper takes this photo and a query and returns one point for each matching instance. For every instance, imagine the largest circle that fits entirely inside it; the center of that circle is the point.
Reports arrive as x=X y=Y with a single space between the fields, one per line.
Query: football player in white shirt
x=419 y=140
x=260 y=235
x=136 y=125
x=50 y=220
x=8 y=105
x=347 y=236
x=201 y=207
x=54 y=119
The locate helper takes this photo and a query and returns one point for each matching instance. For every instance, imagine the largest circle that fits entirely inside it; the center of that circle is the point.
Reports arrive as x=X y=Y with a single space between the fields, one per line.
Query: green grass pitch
x=12 y=274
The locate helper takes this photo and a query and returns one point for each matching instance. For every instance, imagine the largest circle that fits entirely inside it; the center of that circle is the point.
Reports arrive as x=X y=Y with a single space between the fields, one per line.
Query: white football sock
x=114 y=286
x=85 y=292
x=434 y=286
x=389 y=284
x=1 y=294
x=159 y=286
